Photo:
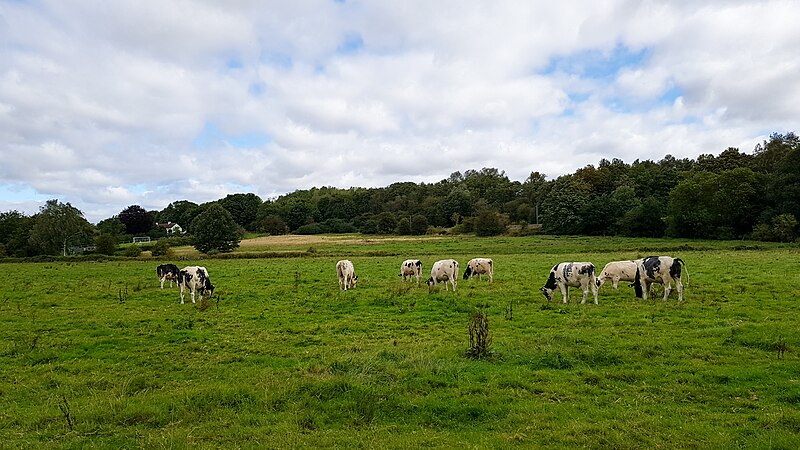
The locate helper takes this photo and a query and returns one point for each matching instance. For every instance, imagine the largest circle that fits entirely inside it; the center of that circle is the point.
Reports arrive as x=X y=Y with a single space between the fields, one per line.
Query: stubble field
x=95 y=355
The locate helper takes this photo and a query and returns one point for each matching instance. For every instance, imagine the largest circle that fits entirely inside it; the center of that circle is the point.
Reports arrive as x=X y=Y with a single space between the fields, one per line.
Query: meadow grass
x=95 y=355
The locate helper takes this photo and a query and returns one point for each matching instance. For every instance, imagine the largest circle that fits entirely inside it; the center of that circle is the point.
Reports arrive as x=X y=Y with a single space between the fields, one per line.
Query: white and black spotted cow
x=575 y=274
x=167 y=272
x=411 y=268
x=659 y=269
x=196 y=279
x=479 y=266
x=445 y=270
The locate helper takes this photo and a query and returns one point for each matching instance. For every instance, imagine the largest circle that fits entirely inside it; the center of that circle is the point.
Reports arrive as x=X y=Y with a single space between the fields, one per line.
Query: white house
x=170 y=227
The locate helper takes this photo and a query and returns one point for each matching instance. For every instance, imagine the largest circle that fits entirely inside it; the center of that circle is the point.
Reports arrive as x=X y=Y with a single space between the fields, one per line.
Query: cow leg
x=593 y=286
x=645 y=289
x=667 y=288
x=564 y=293
x=183 y=292
x=193 y=296
x=615 y=282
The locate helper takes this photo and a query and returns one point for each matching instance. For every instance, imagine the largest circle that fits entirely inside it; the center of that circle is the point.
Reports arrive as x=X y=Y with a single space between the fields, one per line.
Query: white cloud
x=101 y=104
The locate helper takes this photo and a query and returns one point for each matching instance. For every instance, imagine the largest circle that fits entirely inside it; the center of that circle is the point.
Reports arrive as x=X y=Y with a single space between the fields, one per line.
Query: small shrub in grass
x=480 y=340
x=161 y=248
x=133 y=251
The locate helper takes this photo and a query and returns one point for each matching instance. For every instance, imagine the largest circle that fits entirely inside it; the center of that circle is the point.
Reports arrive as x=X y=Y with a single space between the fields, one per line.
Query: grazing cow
x=195 y=278
x=411 y=268
x=346 y=274
x=617 y=271
x=480 y=266
x=444 y=270
x=659 y=269
x=575 y=274
x=167 y=272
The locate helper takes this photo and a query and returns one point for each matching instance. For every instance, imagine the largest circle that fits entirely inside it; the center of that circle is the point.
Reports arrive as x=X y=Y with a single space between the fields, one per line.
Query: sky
x=107 y=104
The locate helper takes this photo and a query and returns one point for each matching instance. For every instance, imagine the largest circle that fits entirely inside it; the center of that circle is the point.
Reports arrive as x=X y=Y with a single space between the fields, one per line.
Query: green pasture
x=95 y=355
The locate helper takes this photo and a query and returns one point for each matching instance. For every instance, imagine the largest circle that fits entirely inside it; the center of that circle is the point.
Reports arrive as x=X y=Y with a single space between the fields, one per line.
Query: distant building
x=170 y=227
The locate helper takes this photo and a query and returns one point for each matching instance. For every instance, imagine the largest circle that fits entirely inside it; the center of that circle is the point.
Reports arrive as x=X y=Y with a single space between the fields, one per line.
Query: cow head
x=353 y=281
x=548 y=293
x=429 y=281
x=468 y=272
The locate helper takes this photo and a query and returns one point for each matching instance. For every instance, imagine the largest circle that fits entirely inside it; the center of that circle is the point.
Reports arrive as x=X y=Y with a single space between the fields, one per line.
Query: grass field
x=95 y=355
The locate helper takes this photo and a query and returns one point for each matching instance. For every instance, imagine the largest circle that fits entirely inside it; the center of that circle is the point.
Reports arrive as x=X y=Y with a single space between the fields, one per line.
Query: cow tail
x=637 y=284
x=684 y=268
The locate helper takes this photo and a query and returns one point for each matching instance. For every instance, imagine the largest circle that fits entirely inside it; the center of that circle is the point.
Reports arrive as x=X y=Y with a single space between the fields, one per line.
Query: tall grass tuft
x=480 y=339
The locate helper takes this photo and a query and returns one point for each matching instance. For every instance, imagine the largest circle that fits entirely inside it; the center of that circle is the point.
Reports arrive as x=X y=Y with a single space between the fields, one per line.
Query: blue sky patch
x=211 y=136
x=596 y=64
x=276 y=59
x=670 y=95
x=352 y=44
x=18 y=193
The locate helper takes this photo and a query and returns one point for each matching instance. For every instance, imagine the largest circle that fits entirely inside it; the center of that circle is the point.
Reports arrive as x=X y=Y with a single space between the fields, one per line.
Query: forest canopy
x=733 y=195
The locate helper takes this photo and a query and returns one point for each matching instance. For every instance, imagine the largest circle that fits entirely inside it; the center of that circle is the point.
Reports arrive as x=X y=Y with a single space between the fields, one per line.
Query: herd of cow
x=641 y=273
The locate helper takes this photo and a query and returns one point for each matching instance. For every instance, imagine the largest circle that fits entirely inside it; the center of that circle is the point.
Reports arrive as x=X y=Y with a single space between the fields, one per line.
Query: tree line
x=733 y=195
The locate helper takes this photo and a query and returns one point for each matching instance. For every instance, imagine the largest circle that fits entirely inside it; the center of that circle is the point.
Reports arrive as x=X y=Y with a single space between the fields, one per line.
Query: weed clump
x=480 y=340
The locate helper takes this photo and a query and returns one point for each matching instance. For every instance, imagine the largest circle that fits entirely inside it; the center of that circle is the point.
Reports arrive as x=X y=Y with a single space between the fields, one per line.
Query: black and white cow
x=195 y=279
x=411 y=268
x=479 y=266
x=659 y=269
x=167 y=272
x=445 y=270
x=346 y=273
x=575 y=274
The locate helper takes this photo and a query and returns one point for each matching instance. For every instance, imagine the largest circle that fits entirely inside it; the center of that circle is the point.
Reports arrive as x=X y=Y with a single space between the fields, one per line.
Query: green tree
x=404 y=226
x=10 y=222
x=691 y=207
x=106 y=244
x=273 y=225
x=111 y=226
x=181 y=212
x=59 y=225
x=419 y=224
x=136 y=220
x=488 y=222
x=215 y=229
x=561 y=208
x=243 y=208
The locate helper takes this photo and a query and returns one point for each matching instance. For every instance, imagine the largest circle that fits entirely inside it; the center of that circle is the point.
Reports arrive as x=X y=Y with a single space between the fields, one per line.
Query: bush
x=489 y=223
x=273 y=225
x=161 y=248
x=780 y=229
x=133 y=251
x=419 y=224
x=105 y=244
x=403 y=226
x=309 y=228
